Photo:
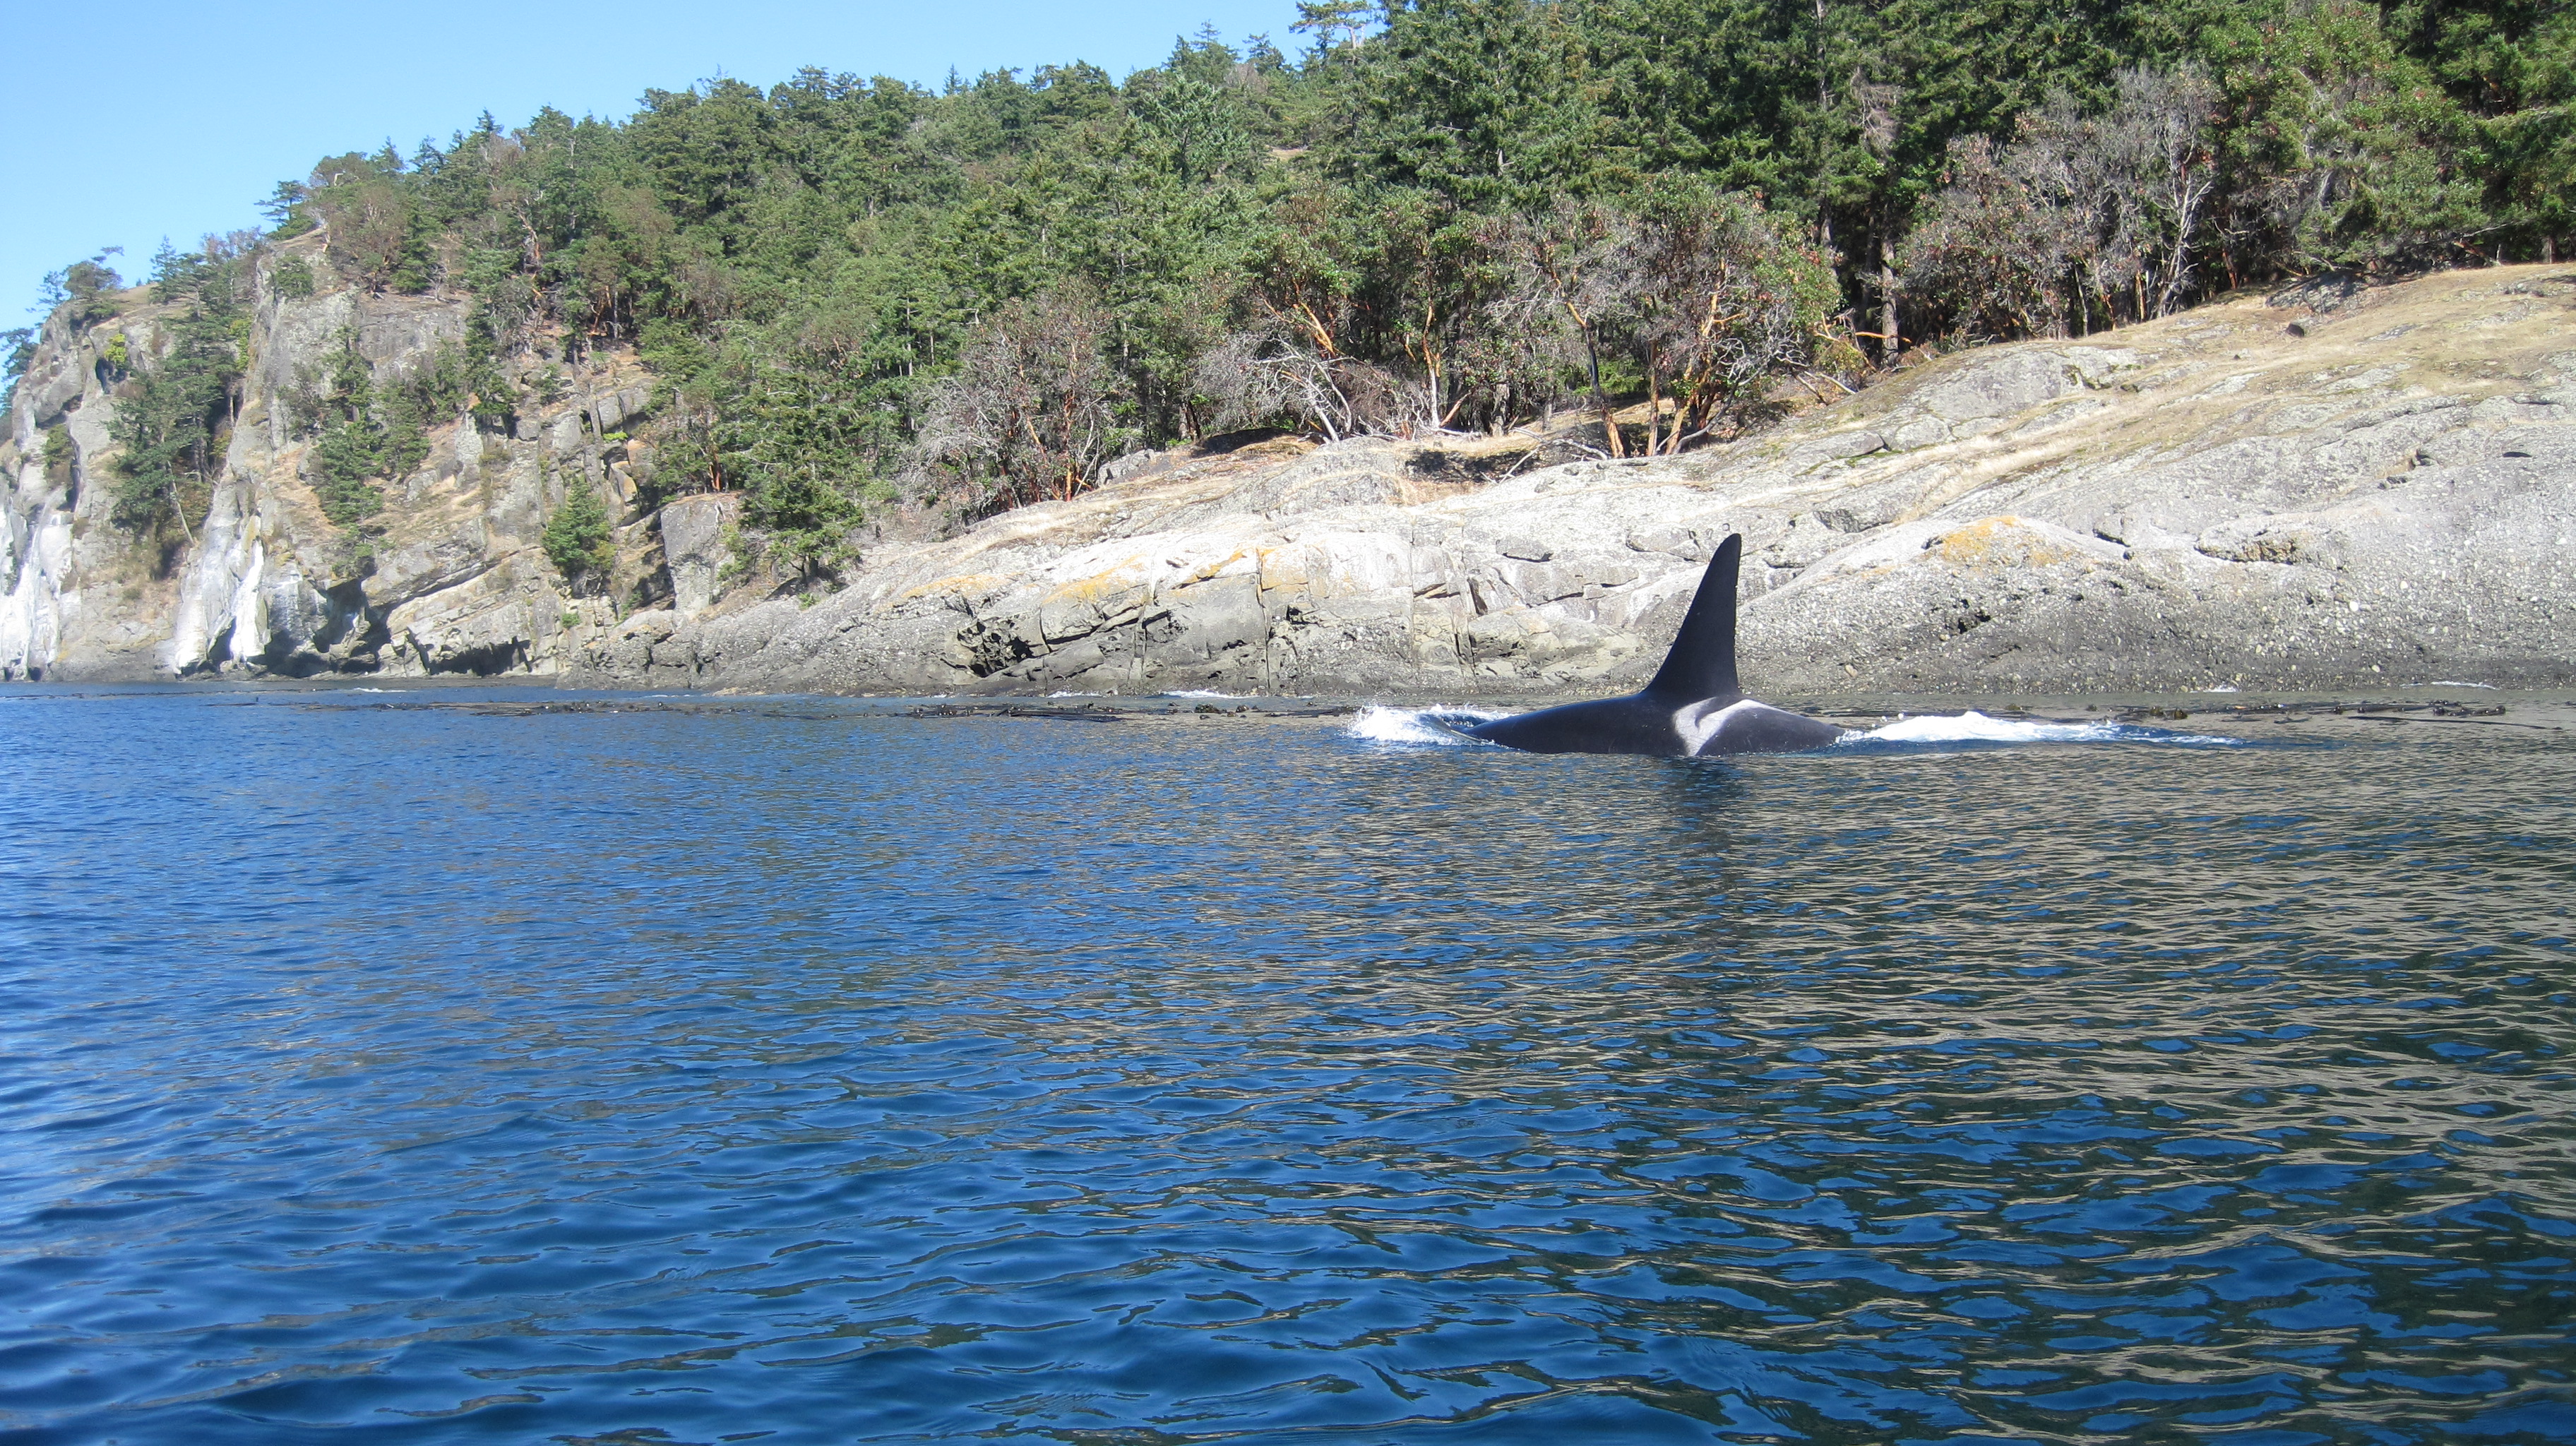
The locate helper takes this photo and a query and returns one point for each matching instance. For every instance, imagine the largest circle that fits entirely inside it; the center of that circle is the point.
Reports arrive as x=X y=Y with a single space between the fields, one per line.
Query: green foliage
x=2512 y=66
x=2347 y=151
x=378 y=231
x=406 y=431
x=366 y=432
x=171 y=426
x=292 y=276
x=987 y=288
x=1334 y=23
x=85 y=291
x=288 y=215
x=798 y=445
x=1484 y=104
x=736 y=551
x=17 y=349
x=345 y=457
x=579 y=539
x=452 y=381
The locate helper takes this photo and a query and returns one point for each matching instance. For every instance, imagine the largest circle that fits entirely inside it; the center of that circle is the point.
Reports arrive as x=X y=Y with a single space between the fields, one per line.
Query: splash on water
x=1439 y=725
x=1975 y=727
x=1445 y=726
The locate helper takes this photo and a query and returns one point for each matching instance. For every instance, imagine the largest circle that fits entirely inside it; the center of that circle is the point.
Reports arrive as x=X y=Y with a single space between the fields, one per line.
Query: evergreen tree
x=170 y=430
x=85 y=291
x=579 y=540
x=821 y=272
x=17 y=349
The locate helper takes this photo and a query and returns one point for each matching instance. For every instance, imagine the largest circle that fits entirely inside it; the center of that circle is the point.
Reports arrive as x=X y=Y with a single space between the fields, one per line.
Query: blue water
x=806 y=1072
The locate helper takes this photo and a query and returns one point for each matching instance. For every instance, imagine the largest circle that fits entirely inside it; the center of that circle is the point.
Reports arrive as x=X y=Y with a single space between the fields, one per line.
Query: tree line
x=1435 y=214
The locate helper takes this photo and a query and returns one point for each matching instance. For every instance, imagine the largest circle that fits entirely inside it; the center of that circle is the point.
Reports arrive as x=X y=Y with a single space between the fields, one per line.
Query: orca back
x=1702 y=662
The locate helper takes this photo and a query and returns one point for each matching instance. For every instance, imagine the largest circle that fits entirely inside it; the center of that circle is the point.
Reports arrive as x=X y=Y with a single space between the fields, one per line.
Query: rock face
x=448 y=577
x=2248 y=495
x=2378 y=487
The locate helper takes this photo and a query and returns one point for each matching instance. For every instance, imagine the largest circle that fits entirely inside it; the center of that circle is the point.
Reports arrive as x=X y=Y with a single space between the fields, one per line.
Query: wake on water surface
x=1444 y=726
x=1976 y=727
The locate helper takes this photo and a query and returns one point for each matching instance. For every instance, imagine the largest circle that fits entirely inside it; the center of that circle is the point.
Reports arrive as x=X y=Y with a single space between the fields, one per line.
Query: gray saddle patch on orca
x=1694 y=707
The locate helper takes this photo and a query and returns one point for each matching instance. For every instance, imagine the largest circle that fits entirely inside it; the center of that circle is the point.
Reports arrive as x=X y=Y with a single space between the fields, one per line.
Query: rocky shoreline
x=2367 y=488
x=2326 y=489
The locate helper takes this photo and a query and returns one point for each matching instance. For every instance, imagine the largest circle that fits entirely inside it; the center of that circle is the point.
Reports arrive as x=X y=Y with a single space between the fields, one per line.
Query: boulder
x=692 y=531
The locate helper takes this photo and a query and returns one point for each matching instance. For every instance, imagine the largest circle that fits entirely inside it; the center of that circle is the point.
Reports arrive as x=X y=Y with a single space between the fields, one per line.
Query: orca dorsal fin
x=1702 y=662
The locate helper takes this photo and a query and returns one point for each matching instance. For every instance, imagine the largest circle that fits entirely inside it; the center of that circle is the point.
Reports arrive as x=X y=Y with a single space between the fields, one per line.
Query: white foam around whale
x=1442 y=725
x=1380 y=724
x=1976 y=727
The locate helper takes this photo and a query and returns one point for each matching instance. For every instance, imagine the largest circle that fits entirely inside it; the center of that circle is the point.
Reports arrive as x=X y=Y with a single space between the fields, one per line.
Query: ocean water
x=461 y=1067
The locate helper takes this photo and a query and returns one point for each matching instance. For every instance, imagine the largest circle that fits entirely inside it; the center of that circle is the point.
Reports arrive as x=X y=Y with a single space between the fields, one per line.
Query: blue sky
x=124 y=123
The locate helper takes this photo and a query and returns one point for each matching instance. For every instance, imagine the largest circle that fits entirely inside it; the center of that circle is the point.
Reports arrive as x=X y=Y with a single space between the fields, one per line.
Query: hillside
x=580 y=396
x=2375 y=487
x=2315 y=489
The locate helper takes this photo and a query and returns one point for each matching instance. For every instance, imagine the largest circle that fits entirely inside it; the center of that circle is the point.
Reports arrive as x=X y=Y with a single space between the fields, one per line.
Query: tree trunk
x=1654 y=403
x=1824 y=106
x=1891 y=337
x=1601 y=399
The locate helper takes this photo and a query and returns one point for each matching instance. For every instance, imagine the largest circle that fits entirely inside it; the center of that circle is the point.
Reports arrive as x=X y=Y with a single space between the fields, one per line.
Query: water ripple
x=700 y=1075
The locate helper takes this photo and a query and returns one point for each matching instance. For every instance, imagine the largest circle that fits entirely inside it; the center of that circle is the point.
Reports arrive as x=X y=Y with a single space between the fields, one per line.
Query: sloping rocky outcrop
x=2302 y=492
x=2307 y=491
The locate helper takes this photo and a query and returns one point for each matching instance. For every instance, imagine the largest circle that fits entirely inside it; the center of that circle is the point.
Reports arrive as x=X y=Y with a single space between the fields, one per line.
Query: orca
x=1694 y=708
